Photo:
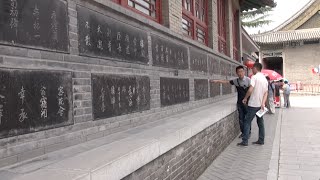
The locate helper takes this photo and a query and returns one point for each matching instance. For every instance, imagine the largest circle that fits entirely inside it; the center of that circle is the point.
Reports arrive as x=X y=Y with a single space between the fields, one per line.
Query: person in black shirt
x=242 y=84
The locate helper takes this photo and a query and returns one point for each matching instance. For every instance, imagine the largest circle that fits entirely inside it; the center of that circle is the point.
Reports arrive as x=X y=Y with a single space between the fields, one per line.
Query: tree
x=256 y=18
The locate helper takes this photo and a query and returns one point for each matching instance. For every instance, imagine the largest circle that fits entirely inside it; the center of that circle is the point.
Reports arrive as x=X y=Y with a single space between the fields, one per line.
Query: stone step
x=115 y=156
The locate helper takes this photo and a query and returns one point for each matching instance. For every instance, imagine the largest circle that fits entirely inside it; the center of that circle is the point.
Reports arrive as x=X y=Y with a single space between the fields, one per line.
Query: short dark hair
x=239 y=67
x=258 y=66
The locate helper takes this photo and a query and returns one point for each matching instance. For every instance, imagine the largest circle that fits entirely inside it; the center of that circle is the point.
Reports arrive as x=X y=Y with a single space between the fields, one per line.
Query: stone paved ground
x=300 y=140
x=291 y=150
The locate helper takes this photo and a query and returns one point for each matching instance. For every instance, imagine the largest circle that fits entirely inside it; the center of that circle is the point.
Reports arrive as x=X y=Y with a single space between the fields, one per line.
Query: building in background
x=293 y=48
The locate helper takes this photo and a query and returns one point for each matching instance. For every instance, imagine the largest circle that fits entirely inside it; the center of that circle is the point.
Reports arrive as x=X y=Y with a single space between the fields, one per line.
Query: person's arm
x=248 y=94
x=220 y=81
x=264 y=100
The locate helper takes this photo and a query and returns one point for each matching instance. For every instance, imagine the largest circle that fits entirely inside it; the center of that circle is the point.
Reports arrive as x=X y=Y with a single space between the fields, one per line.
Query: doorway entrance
x=274 y=63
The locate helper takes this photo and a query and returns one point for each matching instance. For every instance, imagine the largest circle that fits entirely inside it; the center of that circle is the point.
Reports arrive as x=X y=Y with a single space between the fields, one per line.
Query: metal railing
x=305 y=87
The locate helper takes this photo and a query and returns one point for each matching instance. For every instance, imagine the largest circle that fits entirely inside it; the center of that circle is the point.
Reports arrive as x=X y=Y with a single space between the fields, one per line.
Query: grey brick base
x=190 y=159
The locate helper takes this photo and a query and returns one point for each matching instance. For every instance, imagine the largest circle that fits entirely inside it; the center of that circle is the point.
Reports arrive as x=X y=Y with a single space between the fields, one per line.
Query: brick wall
x=213 y=25
x=23 y=147
x=299 y=61
x=172 y=13
x=190 y=159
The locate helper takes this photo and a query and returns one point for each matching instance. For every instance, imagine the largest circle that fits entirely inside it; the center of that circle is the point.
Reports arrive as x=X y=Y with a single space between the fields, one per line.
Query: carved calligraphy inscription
x=198 y=60
x=168 y=54
x=41 y=24
x=34 y=100
x=102 y=36
x=173 y=91
x=200 y=89
x=115 y=95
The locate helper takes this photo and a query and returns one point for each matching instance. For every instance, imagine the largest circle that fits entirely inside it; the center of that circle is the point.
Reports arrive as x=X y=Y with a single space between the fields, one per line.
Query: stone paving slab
x=291 y=150
x=252 y=162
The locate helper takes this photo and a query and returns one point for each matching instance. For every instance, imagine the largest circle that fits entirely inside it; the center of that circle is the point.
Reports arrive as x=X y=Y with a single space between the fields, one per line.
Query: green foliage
x=256 y=18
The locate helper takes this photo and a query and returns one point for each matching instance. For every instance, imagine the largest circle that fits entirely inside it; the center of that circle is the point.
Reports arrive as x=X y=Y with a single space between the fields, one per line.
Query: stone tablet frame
x=174 y=91
x=26 y=26
x=115 y=95
x=34 y=100
x=201 y=89
x=166 y=53
x=198 y=60
x=105 y=37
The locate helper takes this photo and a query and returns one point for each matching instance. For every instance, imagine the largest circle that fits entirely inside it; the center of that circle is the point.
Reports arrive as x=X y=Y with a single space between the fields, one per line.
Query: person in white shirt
x=258 y=93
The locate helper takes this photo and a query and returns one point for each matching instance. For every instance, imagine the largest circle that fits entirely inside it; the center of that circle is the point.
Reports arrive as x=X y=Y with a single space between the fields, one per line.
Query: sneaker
x=241 y=135
x=242 y=144
x=258 y=143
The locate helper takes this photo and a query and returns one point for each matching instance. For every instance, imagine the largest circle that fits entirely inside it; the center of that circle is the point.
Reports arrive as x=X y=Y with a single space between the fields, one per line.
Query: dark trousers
x=242 y=110
x=251 y=113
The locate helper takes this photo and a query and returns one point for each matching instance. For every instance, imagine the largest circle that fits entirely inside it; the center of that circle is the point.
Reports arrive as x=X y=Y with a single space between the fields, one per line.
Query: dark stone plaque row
x=233 y=70
x=226 y=89
x=34 y=100
x=168 y=54
x=173 y=91
x=225 y=68
x=198 y=60
x=115 y=95
x=200 y=89
x=214 y=66
x=214 y=89
x=102 y=36
x=37 y=23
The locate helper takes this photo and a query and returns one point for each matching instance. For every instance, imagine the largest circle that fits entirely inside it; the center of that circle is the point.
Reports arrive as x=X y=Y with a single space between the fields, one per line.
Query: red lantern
x=249 y=63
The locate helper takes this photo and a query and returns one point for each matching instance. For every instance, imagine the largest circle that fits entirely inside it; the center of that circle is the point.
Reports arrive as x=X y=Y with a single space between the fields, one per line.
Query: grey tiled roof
x=287 y=36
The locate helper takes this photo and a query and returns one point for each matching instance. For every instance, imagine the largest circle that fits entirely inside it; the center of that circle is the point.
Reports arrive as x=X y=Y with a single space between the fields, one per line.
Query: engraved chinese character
x=113 y=99
x=102 y=97
x=118 y=36
x=23 y=115
x=167 y=54
x=22 y=94
x=36 y=14
x=130 y=96
x=99 y=30
x=119 y=48
x=127 y=39
x=141 y=43
x=61 y=111
x=1 y=113
x=127 y=49
x=87 y=26
x=14 y=14
x=119 y=96
x=60 y=91
x=135 y=46
x=13 y=23
x=60 y=101
x=87 y=40
x=54 y=25
x=108 y=32
x=43 y=103
x=100 y=46
x=109 y=46
x=156 y=48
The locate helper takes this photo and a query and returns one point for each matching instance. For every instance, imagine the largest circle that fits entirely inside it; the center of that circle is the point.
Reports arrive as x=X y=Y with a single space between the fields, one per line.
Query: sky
x=283 y=11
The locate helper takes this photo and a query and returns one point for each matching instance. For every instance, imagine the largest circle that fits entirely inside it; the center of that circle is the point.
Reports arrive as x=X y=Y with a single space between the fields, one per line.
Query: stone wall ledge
x=122 y=156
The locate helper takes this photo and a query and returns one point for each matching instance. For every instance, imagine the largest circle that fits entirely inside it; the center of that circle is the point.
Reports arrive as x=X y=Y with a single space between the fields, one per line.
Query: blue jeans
x=242 y=110
x=247 y=124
